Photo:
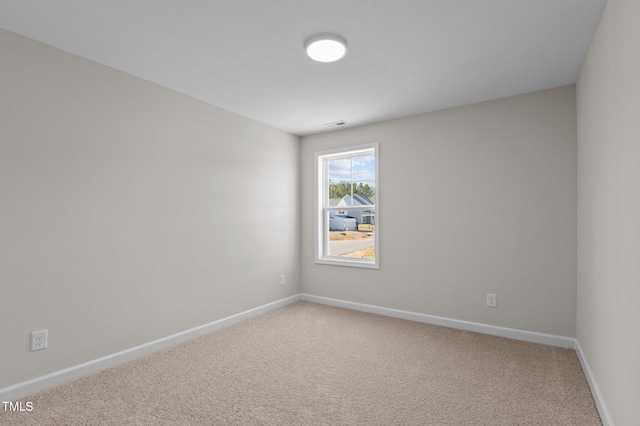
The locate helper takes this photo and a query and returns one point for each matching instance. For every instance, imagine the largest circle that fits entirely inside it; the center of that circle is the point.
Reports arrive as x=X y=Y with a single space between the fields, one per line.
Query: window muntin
x=347 y=196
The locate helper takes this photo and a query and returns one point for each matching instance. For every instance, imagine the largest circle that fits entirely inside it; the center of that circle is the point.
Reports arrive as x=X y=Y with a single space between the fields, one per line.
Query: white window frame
x=322 y=208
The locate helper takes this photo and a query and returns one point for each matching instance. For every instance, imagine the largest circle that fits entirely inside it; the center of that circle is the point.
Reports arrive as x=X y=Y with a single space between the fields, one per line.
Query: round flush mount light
x=326 y=47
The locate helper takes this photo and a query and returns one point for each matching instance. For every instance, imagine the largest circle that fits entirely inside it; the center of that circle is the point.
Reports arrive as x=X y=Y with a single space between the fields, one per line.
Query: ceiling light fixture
x=326 y=47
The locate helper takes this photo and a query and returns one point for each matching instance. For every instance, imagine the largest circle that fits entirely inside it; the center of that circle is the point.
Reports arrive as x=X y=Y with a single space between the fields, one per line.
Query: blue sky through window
x=353 y=169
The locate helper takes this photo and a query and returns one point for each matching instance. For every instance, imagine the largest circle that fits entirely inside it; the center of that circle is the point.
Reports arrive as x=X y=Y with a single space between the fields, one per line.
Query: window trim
x=321 y=238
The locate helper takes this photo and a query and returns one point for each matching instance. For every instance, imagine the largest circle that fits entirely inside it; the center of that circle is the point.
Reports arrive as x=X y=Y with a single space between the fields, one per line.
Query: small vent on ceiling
x=336 y=124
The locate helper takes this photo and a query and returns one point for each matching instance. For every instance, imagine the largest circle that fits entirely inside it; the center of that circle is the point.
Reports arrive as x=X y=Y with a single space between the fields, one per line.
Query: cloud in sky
x=360 y=169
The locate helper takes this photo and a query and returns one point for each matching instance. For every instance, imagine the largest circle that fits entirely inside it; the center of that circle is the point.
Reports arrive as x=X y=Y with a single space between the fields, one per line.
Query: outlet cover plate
x=492 y=300
x=39 y=340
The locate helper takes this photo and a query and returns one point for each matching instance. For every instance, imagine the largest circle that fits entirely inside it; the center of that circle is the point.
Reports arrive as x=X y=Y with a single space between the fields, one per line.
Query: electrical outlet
x=281 y=279
x=492 y=300
x=39 y=340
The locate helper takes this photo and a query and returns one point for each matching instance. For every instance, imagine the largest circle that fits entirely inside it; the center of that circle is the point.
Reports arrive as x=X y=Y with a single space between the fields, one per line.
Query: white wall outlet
x=281 y=279
x=492 y=300
x=39 y=340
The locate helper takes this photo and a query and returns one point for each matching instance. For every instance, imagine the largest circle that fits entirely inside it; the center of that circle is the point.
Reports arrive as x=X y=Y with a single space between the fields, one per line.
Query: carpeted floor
x=309 y=364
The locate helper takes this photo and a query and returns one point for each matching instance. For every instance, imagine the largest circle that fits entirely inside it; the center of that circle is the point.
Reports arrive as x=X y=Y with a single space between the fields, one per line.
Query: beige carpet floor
x=309 y=364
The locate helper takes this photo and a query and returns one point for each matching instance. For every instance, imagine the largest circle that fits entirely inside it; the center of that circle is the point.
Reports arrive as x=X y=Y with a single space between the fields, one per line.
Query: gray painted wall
x=130 y=212
x=608 y=94
x=493 y=210
x=127 y=211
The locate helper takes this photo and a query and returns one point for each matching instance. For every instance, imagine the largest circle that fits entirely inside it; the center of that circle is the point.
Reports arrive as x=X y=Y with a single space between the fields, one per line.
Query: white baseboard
x=605 y=416
x=20 y=390
x=511 y=333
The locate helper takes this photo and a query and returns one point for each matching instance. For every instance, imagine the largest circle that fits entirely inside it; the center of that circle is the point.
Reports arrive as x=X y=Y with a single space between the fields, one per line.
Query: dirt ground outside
x=369 y=253
x=349 y=235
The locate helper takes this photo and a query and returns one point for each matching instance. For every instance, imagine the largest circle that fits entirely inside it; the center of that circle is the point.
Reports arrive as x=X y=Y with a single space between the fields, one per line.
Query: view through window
x=347 y=183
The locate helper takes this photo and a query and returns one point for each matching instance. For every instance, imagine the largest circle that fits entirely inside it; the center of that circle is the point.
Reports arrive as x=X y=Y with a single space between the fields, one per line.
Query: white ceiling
x=404 y=57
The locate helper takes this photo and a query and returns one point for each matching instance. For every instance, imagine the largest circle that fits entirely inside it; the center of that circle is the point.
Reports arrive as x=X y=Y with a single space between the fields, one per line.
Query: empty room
x=363 y=212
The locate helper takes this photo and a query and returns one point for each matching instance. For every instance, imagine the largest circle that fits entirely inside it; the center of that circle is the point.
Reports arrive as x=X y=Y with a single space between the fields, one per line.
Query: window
x=347 y=216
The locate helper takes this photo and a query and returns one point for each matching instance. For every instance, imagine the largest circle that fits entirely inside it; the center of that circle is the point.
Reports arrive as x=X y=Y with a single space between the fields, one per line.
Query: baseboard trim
x=605 y=416
x=20 y=390
x=511 y=333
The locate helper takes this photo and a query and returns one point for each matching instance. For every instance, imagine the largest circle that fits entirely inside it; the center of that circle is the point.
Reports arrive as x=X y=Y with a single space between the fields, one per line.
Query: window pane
x=350 y=238
x=351 y=180
x=346 y=221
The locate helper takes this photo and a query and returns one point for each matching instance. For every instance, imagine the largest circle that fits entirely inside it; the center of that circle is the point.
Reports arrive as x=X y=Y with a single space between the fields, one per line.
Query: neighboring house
x=341 y=222
x=361 y=216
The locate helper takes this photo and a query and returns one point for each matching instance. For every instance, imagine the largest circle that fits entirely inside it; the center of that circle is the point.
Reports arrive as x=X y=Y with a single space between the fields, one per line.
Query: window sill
x=353 y=263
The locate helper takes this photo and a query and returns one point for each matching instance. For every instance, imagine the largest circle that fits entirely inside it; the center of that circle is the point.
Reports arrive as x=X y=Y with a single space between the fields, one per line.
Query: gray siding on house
x=342 y=223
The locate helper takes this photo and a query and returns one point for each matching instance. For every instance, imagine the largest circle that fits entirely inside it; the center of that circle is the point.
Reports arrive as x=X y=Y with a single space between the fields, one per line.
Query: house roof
x=363 y=199
x=358 y=200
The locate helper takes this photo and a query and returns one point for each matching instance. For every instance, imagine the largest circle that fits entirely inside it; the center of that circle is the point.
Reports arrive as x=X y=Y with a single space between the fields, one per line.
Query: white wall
x=608 y=100
x=473 y=200
x=130 y=212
